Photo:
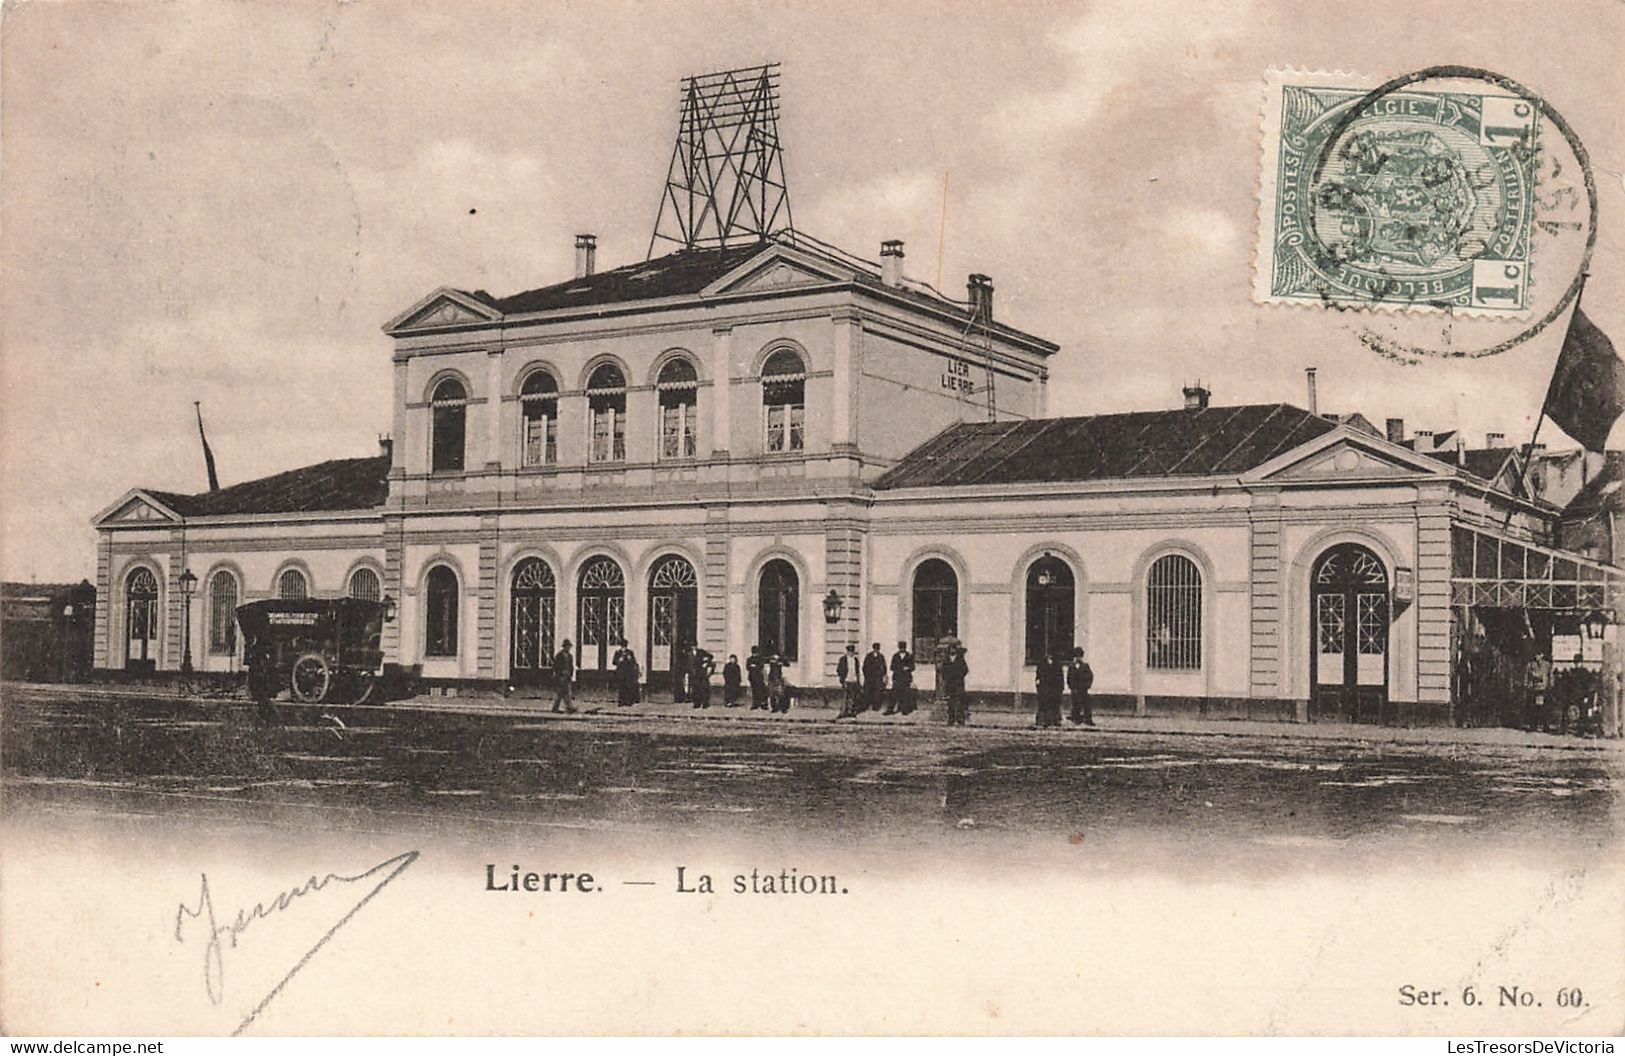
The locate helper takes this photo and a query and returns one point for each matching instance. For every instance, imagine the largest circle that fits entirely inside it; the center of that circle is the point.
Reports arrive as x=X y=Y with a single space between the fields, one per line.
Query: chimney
x=1396 y=430
x=1314 y=403
x=386 y=447
x=1196 y=397
x=1461 y=449
x=1495 y=439
x=891 y=262
x=1424 y=441
x=980 y=288
x=586 y=255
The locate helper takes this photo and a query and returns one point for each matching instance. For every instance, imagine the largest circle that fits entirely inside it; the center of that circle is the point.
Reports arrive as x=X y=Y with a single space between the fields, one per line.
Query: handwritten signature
x=214 y=960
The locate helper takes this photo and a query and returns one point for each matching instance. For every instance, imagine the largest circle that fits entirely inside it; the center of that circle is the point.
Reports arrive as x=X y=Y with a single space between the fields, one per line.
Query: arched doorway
x=1348 y=649
x=530 y=623
x=1049 y=610
x=600 y=615
x=141 y=621
x=778 y=612
x=674 y=606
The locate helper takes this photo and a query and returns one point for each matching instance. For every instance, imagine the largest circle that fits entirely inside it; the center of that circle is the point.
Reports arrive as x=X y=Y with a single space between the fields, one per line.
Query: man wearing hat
x=952 y=673
x=1079 y=677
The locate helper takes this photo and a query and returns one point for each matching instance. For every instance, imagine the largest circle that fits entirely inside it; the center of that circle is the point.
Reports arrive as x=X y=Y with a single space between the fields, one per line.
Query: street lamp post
x=188 y=585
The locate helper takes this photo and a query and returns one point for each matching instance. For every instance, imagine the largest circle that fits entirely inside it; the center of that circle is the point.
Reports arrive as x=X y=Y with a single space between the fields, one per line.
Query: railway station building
x=781 y=445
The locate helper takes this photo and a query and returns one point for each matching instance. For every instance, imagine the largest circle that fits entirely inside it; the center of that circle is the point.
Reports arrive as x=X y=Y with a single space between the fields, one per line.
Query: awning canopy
x=1492 y=571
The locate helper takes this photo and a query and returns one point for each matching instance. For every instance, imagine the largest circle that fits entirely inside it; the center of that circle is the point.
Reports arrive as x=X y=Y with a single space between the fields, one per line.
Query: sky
x=226 y=201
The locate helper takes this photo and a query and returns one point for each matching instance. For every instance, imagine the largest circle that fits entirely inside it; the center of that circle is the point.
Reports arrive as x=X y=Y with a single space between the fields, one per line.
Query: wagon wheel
x=310 y=679
x=366 y=685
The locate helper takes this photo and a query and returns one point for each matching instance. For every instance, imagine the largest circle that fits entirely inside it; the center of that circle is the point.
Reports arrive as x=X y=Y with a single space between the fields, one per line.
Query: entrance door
x=141 y=621
x=1348 y=657
x=530 y=635
x=600 y=616
x=673 y=616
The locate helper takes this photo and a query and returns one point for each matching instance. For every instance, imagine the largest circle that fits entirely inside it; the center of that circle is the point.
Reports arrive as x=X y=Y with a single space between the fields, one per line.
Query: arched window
x=784 y=399
x=936 y=607
x=1173 y=614
x=606 y=405
x=141 y=619
x=223 y=614
x=539 y=405
x=678 y=386
x=530 y=644
x=364 y=584
x=449 y=407
x=1049 y=610
x=778 y=618
x=440 y=612
x=291 y=584
x=600 y=613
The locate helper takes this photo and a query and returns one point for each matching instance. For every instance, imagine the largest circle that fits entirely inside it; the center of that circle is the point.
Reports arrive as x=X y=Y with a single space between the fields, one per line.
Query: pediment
x=1346 y=460
x=445 y=307
x=780 y=268
x=136 y=507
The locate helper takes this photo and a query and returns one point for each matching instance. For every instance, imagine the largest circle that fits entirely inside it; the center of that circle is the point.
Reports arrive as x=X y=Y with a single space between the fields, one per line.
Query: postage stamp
x=1415 y=199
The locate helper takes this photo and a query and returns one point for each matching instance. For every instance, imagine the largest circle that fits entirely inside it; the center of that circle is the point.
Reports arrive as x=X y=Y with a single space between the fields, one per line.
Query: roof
x=1601 y=493
x=688 y=271
x=1206 y=442
x=1484 y=463
x=340 y=484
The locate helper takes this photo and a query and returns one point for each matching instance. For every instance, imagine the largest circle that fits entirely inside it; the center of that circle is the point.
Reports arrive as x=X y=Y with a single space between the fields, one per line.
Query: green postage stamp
x=1414 y=199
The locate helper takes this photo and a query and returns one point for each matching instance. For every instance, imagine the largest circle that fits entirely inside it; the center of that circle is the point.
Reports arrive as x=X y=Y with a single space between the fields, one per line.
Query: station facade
x=780 y=445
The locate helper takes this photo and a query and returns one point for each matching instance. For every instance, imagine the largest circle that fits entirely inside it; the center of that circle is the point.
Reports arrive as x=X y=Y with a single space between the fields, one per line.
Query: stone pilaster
x=843 y=573
x=486 y=631
x=721 y=390
x=714 y=603
x=104 y=601
x=394 y=583
x=170 y=658
x=1433 y=605
x=1268 y=594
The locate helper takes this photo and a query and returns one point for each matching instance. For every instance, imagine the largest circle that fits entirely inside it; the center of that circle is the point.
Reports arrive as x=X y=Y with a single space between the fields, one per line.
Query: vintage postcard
x=807 y=518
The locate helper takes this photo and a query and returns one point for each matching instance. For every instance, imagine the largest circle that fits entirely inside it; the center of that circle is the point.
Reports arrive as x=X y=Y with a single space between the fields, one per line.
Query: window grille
x=223 y=614
x=364 y=585
x=1173 y=626
x=291 y=584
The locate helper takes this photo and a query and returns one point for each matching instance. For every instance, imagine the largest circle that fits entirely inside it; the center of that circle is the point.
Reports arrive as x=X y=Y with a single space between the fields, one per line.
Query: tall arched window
x=364 y=584
x=449 y=411
x=1049 y=610
x=539 y=406
x=1173 y=614
x=936 y=607
x=440 y=612
x=606 y=406
x=678 y=386
x=778 y=619
x=784 y=400
x=141 y=619
x=291 y=584
x=600 y=613
x=530 y=643
x=223 y=613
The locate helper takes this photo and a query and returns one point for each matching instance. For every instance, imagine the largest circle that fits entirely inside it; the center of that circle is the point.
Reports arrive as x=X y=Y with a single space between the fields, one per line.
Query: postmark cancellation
x=1415 y=199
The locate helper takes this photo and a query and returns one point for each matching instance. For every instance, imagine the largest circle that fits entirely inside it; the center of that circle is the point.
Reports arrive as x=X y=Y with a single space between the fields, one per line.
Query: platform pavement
x=597 y=705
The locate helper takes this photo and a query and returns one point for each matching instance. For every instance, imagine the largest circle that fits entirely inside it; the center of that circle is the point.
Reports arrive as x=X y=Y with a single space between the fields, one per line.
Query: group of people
x=870 y=683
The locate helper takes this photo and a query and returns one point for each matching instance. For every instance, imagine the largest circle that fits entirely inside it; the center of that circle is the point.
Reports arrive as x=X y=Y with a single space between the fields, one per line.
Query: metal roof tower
x=726 y=182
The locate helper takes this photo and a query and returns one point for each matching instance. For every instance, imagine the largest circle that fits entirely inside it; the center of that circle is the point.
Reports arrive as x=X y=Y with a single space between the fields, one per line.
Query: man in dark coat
x=756 y=674
x=1079 y=678
x=1050 y=678
x=902 y=681
x=733 y=686
x=952 y=673
x=846 y=673
x=627 y=673
x=874 y=679
x=564 y=677
x=682 y=659
x=778 y=689
x=702 y=667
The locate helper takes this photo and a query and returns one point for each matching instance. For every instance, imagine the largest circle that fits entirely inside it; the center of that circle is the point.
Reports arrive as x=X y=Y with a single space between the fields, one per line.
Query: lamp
x=188 y=584
x=832 y=607
x=389 y=608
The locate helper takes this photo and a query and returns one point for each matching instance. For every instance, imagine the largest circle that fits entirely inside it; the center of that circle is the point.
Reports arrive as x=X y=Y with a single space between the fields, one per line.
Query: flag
x=1587 y=393
x=208 y=455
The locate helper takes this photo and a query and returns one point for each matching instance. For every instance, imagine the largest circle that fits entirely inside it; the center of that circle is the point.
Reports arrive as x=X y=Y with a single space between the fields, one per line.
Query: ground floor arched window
x=291 y=584
x=141 y=619
x=936 y=607
x=223 y=614
x=440 y=612
x=778 y=628
x=1173 y=614
x=1049 y=610
x=364 y=584
x=600 y=613
x=531 y=604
